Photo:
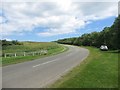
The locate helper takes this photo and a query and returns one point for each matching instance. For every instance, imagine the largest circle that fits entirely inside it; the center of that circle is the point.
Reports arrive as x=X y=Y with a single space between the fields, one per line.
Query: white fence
x=41 y=52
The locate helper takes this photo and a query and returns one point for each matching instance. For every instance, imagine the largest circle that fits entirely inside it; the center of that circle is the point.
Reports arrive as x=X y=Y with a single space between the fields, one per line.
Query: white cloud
x=60 y=0
x=7 y=39
x=1 y=19
x=59 y=17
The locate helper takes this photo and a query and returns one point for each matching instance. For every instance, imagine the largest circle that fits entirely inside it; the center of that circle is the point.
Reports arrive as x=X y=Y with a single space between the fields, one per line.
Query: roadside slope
x=99 y=70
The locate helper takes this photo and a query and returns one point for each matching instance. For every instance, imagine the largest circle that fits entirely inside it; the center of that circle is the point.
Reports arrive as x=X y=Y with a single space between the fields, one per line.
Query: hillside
x=27 y=51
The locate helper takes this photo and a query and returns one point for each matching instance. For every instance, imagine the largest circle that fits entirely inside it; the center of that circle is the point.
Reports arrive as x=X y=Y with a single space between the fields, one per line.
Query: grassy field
x=52 y=49
x=99 y=70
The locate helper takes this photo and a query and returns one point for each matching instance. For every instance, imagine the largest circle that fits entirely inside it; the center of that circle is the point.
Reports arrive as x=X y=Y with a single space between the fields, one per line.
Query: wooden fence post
x=15 y=55
x=24 y=53
x=5 y=55
x=33 y=53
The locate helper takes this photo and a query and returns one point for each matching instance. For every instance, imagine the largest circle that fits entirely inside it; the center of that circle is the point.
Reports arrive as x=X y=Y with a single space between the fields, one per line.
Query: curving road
x=41 y=72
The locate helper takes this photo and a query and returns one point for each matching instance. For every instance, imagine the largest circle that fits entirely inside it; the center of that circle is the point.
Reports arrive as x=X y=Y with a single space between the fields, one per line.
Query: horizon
x=50 y=21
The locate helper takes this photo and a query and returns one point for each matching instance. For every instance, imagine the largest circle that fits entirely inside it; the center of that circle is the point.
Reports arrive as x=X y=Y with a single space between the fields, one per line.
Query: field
x=52 y=48
x=99 y=70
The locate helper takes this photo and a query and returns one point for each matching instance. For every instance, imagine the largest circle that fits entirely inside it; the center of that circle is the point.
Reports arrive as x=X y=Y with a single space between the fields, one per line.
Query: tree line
x=8 y=43
x=108 y=36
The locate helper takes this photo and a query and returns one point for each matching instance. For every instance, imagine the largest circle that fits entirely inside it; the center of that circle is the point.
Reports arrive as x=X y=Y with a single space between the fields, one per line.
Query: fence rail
x=17 y=54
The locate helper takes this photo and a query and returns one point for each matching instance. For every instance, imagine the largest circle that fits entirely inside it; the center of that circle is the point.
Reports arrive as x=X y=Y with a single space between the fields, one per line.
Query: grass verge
x=99 y=70
x=15 y=60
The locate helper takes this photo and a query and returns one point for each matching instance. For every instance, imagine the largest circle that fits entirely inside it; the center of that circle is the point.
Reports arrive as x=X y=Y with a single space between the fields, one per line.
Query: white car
x=103 y=48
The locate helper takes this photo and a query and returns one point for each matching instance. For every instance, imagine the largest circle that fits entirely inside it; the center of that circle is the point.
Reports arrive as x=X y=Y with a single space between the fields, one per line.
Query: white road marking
x=49 y=61
x=45 y=63
x=61 y=74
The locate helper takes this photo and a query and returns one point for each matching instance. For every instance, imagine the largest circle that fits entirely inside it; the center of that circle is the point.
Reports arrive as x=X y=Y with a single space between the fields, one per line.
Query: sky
x=50 y=21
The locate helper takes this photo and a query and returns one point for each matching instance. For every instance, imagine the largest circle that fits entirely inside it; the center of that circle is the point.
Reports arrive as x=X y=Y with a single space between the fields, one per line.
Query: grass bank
x=52 y=49
x=99 y=70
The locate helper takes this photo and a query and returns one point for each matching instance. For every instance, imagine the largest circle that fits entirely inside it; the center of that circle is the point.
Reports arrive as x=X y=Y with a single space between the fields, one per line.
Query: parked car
x=103 y=48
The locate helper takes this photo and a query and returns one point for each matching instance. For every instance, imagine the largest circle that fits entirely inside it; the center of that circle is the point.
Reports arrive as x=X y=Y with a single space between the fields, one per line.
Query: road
x=41 y=72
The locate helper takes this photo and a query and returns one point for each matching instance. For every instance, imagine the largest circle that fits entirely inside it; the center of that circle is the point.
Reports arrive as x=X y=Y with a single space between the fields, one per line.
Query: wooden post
x=24 y=53
x=15 y=55
x=5 y=55
x=40 y=53
x=33 y=53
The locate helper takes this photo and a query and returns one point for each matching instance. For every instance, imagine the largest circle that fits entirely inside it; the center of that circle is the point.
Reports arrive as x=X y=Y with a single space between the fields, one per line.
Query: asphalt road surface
x=41 y=72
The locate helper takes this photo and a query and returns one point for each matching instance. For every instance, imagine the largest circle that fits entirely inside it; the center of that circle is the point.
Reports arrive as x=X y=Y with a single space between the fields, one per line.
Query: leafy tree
x=8 y=43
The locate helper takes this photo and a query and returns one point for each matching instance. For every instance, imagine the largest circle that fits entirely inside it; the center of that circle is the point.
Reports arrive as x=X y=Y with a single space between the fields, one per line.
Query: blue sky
x=49 y=21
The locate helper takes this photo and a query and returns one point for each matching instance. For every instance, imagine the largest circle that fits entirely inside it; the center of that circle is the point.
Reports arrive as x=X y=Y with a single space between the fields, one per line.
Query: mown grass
x=52 y=48
x=99 y=70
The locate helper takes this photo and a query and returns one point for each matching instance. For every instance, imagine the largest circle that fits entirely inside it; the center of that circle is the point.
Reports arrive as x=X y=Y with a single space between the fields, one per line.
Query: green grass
x=29 y=47
x=52 y=48
x=99 y=70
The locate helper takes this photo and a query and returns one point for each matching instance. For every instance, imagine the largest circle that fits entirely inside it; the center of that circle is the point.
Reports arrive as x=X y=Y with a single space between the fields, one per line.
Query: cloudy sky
x=49 y=21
